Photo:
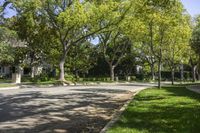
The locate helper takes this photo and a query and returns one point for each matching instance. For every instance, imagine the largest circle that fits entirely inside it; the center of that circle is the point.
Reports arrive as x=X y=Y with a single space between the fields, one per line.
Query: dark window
x=3 y=70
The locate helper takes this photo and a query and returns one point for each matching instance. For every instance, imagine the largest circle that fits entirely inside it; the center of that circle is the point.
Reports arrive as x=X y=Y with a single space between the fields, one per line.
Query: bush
x=133 y=78
x=139 y=76
x=70 y=77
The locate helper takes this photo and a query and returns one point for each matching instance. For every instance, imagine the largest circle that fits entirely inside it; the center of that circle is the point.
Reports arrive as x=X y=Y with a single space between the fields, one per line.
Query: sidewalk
x=195 y=88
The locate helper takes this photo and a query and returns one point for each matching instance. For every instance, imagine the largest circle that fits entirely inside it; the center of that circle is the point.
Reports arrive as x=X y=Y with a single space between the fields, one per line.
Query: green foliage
x=195 y=42
x=178 y=37
x=70 y=77
x=9 y=44
x=81 y=58
x=59 y=31
x=6 y=54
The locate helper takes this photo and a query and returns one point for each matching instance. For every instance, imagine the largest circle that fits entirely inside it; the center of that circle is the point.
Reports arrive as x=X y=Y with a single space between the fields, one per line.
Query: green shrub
x=139 y=76
x=70 y=77
x=133 y=78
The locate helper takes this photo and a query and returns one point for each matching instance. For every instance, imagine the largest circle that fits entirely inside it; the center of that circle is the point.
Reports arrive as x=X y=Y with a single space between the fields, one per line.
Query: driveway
x=72 y=109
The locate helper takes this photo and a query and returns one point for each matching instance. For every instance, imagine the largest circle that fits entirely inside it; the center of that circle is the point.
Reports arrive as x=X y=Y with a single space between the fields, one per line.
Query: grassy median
x=166 y=110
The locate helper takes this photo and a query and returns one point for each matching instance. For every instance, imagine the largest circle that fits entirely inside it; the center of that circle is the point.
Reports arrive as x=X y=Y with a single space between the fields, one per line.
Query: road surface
x=72 y=109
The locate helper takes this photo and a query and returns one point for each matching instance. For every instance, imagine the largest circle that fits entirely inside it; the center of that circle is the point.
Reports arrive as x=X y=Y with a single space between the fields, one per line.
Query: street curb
x=9 y=88
x=116 y=115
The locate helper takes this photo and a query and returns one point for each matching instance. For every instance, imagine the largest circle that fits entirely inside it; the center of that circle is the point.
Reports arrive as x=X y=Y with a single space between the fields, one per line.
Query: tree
x=12 y=50
x=177 y=44
x=145 y=54
x=159 y=17
x=31 y=31
x=81 y=58
x=193 y=61
x=127 y=65
x=195 y=41
x=70 y=21
x=6 y=52
x=116 y=41
x=114 y=46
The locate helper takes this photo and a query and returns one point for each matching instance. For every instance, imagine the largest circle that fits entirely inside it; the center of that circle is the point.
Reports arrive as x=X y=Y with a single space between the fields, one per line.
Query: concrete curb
x=9 y=88
x=116 y=115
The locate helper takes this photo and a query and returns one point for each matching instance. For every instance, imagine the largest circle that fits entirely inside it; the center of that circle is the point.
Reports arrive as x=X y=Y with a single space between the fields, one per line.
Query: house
x=5 y=71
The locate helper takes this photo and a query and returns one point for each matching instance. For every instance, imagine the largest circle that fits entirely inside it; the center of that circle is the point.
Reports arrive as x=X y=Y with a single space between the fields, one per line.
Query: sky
x=192 y=6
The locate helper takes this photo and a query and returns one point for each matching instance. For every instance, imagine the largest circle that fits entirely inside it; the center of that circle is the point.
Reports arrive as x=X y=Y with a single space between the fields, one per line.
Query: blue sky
x=192 y=6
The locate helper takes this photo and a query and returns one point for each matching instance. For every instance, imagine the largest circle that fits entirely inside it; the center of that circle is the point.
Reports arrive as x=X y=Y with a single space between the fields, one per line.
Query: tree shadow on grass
x=170 y=110
x=35 y=112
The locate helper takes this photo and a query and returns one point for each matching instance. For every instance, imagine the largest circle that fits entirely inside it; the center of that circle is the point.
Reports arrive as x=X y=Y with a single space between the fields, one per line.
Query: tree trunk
x=32 y=72
x=16 y=75
x=198 y=73
x=76 y=74
x=152 y=72
x=194 y=73
x=159 y=73
x=62 y=71
x=54 y=72
x=112 y=72
x=182 y=74
x=62 y=63
x=172 y=76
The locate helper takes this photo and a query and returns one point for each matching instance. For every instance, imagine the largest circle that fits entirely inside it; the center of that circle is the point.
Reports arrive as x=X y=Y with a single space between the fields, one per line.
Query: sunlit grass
x=166 y=110
x=6 y=85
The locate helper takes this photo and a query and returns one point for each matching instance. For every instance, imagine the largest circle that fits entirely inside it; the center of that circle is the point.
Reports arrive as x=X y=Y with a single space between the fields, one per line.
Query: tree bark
x=62 y=70
x=159 y=73
x=152 y=72
x=182 y=74
x=198 y=73
x=62 y=67
x=32 y=72
x=172 y=76
x=194 y=73
x=76 y=74
x=62 y=62
x=16 y=75
x=112 y=72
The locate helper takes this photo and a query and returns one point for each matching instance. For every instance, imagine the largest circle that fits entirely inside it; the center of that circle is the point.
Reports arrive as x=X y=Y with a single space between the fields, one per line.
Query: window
x=3 y=70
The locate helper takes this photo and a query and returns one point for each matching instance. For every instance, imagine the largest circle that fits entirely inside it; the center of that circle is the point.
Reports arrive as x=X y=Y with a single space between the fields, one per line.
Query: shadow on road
x=86 y=110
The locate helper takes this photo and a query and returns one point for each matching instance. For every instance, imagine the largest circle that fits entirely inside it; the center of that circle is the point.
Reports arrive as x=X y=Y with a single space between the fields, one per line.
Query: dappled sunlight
x=67 y=110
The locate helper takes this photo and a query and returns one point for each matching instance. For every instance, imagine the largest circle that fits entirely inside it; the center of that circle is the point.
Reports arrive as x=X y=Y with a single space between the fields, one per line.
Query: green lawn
x=5 y=81
x=168 y=110
x=7 y=85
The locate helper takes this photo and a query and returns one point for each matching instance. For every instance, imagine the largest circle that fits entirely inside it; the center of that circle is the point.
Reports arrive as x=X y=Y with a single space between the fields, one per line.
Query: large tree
x=70 y=21
x=195 y=40
x=159 y=17
x=177 y=44
x=114 y=46
x=193 y=62
x=81 y=58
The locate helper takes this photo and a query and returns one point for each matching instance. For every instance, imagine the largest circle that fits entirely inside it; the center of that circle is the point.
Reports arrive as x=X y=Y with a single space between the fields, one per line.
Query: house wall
x=5 y=70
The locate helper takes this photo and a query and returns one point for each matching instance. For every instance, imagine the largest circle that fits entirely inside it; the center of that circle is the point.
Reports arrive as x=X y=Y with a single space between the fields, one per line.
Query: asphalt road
x=72 y=109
